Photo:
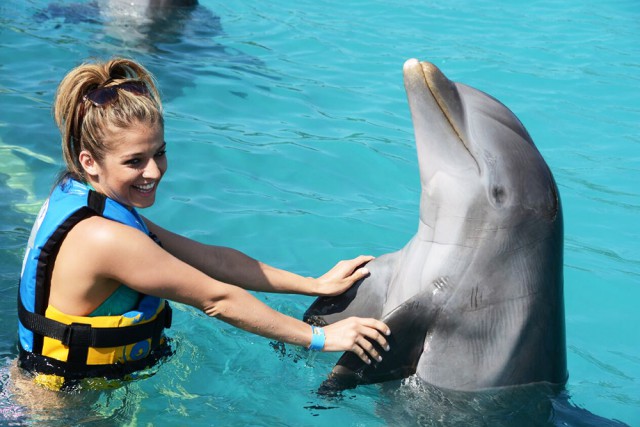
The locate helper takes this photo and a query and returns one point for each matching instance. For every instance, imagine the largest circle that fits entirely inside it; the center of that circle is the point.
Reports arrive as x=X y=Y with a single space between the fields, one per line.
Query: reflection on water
x=16 y=180
x=421 y=404
x=22 y=402
x=176 y=40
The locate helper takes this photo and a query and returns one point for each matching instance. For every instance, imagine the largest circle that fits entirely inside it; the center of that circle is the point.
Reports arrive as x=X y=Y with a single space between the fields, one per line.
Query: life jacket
x=62 y=349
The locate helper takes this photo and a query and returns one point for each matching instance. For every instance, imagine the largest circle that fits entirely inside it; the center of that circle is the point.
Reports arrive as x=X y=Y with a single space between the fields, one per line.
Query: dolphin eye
x=498 y=194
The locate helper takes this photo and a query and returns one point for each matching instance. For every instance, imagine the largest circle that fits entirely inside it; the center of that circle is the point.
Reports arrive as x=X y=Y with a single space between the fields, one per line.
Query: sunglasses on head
x=103 y=96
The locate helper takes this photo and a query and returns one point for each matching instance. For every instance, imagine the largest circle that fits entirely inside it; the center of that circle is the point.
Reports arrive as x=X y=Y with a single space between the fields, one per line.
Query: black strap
x=72 y=374
x=96 y=201
x=46 y=260
x=84 y=335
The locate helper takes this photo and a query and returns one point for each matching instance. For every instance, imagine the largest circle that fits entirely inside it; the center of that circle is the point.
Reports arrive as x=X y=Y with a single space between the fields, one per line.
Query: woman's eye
x=132 y=162
x=161 y=153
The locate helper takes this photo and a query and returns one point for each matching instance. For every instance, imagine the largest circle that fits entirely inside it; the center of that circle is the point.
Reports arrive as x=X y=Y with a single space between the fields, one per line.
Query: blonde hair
x=84 y=126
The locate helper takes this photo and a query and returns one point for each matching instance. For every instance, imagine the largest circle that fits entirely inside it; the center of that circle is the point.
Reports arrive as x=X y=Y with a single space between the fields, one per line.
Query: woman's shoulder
x=106 y=246
x=102 y=232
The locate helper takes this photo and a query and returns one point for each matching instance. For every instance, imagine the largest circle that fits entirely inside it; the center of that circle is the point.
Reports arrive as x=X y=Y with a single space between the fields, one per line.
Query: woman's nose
x=153 y=170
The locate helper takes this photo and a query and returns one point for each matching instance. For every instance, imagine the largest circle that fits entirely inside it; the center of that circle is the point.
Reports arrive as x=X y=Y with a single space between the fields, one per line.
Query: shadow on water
x=415 y=403
x=176 y=40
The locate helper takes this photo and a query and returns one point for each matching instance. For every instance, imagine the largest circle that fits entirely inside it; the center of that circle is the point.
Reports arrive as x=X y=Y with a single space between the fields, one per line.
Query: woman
x=94 y=284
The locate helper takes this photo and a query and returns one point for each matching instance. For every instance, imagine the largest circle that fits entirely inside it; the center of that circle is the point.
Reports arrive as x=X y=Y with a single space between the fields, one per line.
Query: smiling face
x=132 y=167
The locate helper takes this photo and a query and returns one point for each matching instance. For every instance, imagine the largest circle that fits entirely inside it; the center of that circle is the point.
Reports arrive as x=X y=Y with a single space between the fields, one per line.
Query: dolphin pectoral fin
x=409 y=324
x=364 y=299
x=325 y=306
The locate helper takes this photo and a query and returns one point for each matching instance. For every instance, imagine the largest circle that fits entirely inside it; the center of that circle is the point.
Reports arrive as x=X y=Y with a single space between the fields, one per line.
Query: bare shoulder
x=100 y=231
x=103 y=241
x=109 y=250
x=82 y=272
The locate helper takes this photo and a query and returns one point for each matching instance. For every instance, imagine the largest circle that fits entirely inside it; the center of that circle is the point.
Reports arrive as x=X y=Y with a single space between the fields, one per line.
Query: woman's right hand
x=353 y=334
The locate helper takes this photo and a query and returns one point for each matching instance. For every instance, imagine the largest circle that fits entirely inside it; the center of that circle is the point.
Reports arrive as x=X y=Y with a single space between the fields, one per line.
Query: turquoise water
x=290 y=139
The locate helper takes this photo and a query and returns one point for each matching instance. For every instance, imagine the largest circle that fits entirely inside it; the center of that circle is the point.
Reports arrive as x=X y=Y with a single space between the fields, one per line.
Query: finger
x=362 y=259
x=376 y=332
x=370 y=349
x=359 y=274
x=382 y=340
x=376 y=324
x=359 y=351
x=353 y=264
x=375 y=337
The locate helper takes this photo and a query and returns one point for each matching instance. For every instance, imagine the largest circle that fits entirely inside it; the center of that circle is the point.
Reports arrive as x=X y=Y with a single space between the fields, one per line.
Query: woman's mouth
x=145 y=188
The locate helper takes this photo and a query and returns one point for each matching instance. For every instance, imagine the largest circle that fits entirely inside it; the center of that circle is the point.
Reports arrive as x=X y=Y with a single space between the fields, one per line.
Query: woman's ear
x=88 y=163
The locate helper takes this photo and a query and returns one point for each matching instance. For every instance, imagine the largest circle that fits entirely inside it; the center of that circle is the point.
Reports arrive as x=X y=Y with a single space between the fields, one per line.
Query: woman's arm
x=231 y=266
x=116 y=252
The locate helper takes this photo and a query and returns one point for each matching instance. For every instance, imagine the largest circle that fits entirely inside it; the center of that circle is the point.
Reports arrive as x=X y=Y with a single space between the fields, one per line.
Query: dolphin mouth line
x=445 y=111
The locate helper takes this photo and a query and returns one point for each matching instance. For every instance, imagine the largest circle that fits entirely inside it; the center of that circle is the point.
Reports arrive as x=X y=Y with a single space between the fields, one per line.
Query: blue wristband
x=317 y=339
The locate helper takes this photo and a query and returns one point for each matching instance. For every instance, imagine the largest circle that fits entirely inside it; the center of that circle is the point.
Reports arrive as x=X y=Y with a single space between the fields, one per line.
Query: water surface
x=290 y=139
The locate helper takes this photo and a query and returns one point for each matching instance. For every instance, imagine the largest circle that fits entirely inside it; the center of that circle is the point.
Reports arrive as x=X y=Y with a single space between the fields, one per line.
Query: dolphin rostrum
x=475 y=298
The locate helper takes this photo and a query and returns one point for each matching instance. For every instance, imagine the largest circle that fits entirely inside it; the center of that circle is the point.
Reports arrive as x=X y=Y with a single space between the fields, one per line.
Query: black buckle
x=77 y=335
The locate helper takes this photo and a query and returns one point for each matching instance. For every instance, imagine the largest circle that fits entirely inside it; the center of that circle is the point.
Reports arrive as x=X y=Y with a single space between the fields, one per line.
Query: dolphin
x=475 y=299
x=178 y=40
x=133 y=22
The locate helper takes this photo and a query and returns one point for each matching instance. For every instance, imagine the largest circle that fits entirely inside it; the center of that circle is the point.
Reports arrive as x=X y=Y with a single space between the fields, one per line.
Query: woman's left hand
x=342 y=276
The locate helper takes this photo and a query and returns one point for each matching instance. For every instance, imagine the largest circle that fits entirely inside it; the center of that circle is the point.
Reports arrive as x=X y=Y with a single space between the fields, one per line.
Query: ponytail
x=84 y=126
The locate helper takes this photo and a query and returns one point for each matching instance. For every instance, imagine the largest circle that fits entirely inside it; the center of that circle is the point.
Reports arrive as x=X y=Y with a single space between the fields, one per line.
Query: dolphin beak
x=442 y=90
x=437 y=112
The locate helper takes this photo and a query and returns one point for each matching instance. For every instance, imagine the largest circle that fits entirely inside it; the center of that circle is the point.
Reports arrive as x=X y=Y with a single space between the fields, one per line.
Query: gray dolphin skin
x=475 y=298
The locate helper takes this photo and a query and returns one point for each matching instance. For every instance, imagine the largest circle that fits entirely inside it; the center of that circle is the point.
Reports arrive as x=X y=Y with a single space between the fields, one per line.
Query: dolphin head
x=476 y=158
